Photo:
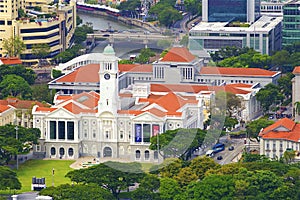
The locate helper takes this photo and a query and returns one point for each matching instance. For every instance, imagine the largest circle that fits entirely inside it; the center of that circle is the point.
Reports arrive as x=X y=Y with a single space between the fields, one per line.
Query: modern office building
x=291 y=23
x=264 y=35
x=56 y=30
x=230 y=10
x=272 y=8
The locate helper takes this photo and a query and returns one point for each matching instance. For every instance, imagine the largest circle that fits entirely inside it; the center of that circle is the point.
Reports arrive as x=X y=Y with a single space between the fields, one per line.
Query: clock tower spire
x=109 y=90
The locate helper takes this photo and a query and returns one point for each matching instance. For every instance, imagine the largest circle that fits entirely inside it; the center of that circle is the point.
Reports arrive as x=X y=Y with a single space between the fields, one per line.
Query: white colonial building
x=112 y=124
x=283 y=135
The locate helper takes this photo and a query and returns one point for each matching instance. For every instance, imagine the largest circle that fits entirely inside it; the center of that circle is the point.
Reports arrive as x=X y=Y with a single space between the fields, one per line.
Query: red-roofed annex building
x=281 y=136
x=178 y=66
x=113 y=124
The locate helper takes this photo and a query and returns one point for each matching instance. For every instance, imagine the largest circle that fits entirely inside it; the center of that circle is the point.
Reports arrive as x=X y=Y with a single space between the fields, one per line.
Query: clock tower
x=109 y=90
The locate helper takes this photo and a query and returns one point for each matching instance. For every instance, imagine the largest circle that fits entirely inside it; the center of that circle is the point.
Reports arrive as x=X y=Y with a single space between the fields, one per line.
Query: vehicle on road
x=231 y=148
x=219 y=158
x=218 y=147
x=210 y=153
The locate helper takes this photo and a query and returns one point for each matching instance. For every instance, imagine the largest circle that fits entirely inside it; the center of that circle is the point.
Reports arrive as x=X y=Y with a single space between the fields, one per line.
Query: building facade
x=264 y=36
x=112 y=124
x=229 y=10
x=296 y=93
x=279 y=137
x=38 y=27
x=291 y=23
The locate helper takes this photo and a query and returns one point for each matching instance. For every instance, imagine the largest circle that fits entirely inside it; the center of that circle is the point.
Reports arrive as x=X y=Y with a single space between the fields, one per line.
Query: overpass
x=137 y=36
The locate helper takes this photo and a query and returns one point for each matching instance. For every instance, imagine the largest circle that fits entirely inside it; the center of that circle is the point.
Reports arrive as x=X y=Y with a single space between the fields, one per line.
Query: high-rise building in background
x=291 y=22
x=37 y=22
x=230 y=10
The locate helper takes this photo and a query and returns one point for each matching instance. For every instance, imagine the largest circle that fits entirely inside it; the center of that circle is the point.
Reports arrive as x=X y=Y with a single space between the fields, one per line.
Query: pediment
x=148 y=117
x=281 y=128
x=62 y=114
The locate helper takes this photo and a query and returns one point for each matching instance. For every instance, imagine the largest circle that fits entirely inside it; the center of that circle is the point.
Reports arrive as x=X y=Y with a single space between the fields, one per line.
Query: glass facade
x=233 y=10
x=227 y=10
x=291 y=24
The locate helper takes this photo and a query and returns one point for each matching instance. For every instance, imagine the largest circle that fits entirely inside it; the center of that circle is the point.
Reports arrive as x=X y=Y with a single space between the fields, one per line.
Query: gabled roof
x=178 y=54
x=10 y=61
x=4 y=108
x=231 y=71
x=285 y=129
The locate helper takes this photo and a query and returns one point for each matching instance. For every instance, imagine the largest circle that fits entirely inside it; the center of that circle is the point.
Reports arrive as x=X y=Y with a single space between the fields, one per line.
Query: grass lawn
x=43 y=168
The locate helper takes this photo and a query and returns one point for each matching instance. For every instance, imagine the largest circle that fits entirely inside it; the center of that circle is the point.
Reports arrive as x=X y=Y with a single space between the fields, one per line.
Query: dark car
x=219 y=158
x=231 y=148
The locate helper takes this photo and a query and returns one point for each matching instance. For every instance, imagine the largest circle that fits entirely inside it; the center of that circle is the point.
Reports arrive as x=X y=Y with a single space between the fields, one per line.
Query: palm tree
x=297 y=108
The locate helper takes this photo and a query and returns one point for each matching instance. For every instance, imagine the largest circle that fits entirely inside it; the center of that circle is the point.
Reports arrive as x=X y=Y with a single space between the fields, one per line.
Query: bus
x=218 y=147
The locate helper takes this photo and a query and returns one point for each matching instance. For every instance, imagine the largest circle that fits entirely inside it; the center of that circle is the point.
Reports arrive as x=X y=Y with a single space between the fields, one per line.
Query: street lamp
x=16 y=128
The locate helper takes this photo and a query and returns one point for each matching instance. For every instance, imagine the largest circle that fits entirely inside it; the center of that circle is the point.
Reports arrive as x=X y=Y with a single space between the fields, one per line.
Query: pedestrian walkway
x=84 y=162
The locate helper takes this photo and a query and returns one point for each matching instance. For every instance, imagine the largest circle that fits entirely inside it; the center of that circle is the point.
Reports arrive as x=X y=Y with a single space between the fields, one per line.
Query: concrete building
x=296 y=93
x=38 y=27
x=272 y=8
x=283 y=135
x=291 y=23
x=7 y=115
x=264 y=36
x=113 y=124
x=228 y=10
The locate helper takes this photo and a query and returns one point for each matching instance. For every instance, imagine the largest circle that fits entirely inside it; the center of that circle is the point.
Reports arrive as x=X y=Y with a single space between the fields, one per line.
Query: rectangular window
x=146 y=132
x=70 y=130
x=61 y=130
x=52 y=129
x=138 y=133
x=155 y=129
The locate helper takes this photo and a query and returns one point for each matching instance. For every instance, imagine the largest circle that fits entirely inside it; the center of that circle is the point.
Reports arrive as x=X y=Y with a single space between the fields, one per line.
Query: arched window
x=53 y=151
x=147 y=155
x=137 y=154
x=107 y=152
x=61 y=151
x=71 y=151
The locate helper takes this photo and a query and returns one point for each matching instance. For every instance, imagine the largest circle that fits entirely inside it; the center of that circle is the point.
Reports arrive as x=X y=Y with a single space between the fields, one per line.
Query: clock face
x=106 y=76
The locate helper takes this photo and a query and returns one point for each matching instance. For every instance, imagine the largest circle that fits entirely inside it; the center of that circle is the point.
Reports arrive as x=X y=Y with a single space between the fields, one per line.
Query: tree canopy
x=13 y=46
x=16 y=86
x=269 y=95
x=8 y=179
x=10 y=146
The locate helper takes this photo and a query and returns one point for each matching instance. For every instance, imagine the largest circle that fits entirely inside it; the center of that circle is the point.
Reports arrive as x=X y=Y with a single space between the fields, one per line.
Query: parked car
x=231 y=148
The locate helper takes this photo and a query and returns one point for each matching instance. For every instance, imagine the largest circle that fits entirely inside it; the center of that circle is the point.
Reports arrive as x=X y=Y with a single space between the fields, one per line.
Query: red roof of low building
x=296 y=70
x=178 y=54
x=11 y=61
x=21 y=104
x=4 y=108
x=231 y=71
x=135 y=68
x=284 y=129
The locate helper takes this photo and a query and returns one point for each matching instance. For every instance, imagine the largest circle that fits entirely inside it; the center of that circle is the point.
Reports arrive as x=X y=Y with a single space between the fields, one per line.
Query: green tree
x=231 y=102
x=213 y=187
x=254 y=127
x=285 y=84
x=13 y=46
x=201 y=165
x=144 y=56
x=16 y=86
x=112 y=176
x=40 y=51
x=41 y=93
x=185 y=176
x=8 y=179
x=147 y=188
x=269 y=95
x=230 y=123
x=10 y=146
x=193 y=6
x=169 y=16
x=28 y=74
x=184 y=41
x=168 y=189
x=228 y=52
x=81 y=33
x=77 y=192
x=289 y=156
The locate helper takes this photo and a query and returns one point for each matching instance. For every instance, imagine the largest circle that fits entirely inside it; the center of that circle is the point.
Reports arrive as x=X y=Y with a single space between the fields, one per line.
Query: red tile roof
x=230 y=71
x=84 y=74
x=11 y=61
x=296 y=70
x=21 y=104
x=273 y=131
x=232 y=88
x=178 y=54
x=44 y=109
x=135 y=68
x=4 y=108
